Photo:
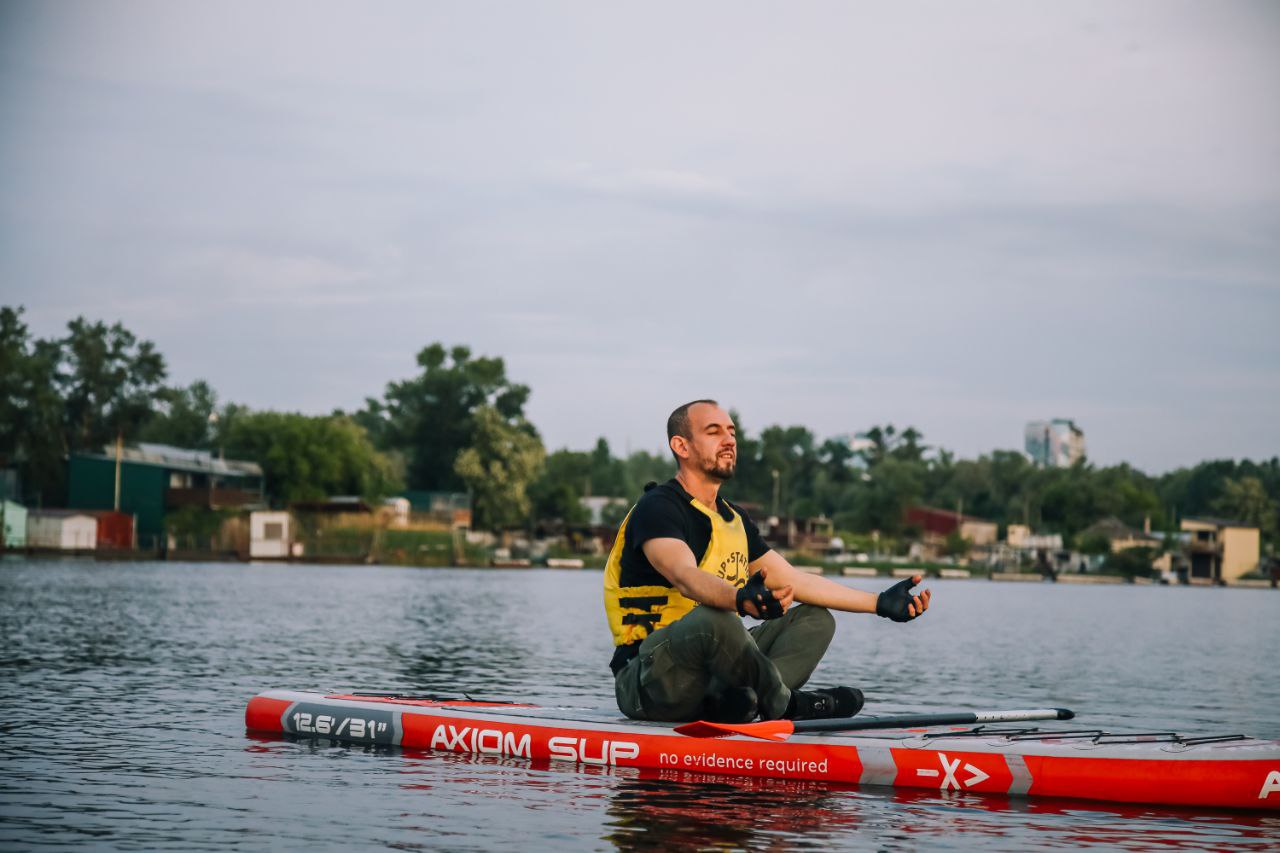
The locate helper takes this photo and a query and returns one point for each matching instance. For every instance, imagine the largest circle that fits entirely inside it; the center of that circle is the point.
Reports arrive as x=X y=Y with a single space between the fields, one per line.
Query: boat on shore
x=1018 y=759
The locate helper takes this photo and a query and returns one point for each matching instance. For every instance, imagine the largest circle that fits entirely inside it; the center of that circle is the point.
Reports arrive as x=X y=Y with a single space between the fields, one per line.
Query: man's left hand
x=897 y=602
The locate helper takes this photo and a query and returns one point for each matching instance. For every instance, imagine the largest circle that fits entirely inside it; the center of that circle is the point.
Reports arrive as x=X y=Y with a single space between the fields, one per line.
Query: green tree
x=1093 y=543
x=16 y=379
x=1194 y=491
x=881 y=501
x=608 y=476
x=557 y=491
x=1245 y=499
x=881 y=439
x=199 y=523
x=956 y=545
x=570 y=475
x=307 y=458
x=498 y=468
x=432 y=417
x=1130 y=562
x=184 y=417
x=32 y=440
x=79 y=392
x=908 y=447
x=790 y=451
x=1072 y=498
x=644 y=467
x=837 y=472
x=109 y=382
x=1203 y=490
x=887 y=442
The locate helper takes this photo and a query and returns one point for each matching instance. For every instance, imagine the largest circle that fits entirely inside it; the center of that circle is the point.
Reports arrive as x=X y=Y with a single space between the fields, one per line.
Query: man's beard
x=720 y=470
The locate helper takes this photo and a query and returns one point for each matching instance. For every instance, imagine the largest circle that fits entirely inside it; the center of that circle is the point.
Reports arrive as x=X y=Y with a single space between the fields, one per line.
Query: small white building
x=1020 y=536
x=15 y=524
x=397 y=511
x=596 y=507
x=62 y=530
x=270 y=534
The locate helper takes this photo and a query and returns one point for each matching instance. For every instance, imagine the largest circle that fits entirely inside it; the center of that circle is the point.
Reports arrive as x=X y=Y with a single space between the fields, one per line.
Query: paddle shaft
x=906 y=721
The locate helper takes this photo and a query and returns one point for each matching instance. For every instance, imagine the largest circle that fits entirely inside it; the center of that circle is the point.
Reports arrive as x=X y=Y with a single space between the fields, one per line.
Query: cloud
x=650 y=184
x=832 y=214
x=249 y=278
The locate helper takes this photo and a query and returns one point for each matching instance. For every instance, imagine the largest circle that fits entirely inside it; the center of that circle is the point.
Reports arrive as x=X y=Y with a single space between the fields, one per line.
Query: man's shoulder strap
x=742 y=513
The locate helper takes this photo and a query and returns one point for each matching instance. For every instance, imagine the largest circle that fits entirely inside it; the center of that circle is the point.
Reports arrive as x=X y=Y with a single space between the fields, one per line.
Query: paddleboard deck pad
x=1164 y=768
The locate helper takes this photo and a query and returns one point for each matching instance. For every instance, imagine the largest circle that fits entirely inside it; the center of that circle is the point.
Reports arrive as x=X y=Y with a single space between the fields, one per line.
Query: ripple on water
x=123 y=687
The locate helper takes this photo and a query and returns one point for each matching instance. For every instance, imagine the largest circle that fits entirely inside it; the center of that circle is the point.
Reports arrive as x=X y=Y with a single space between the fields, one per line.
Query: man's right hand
x=756 y=599
x=675 y=562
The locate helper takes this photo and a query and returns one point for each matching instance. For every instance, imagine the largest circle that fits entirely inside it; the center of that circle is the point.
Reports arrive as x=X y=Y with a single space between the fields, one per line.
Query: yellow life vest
x=635 y=612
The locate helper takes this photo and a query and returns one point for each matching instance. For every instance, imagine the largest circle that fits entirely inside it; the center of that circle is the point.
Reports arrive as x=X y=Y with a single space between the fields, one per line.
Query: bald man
x=687 y=565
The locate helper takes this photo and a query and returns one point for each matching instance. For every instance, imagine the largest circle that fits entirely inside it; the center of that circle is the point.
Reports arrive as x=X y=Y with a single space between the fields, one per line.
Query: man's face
x=713 y=446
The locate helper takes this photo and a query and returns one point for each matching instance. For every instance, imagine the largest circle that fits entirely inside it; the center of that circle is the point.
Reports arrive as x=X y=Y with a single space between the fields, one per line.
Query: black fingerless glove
x=761 y=596
x=893 y=602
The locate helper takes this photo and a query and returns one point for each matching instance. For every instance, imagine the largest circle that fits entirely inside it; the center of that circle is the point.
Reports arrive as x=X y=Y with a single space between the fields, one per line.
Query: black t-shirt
x=665 y=512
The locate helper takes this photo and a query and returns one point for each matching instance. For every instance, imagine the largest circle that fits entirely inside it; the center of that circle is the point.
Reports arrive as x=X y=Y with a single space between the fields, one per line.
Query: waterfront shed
x=269 y=535
x=62 y=530
x=397 y=509
x=940 y=523
x=15 y=525
x=115 y=529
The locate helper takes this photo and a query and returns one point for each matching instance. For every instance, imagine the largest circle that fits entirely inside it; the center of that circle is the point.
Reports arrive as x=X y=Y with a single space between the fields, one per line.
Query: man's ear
x=680 y=446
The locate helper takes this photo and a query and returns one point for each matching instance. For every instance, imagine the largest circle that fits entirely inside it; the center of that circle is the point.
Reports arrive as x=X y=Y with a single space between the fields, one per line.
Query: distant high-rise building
x=1058 y=443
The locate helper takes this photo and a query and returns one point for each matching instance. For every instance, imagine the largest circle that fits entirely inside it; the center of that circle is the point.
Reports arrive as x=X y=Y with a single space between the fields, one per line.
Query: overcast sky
x=961 y=216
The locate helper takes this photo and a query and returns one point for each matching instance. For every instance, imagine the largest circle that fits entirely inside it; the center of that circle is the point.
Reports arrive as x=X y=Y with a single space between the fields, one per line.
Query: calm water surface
x=123 y=686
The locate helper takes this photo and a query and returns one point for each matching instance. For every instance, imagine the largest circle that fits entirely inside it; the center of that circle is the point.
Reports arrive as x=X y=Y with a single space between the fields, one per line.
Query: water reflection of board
x=1161 y=768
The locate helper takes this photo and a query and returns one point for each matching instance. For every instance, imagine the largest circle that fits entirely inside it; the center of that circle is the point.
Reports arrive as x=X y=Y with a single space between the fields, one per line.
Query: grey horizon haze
x=960 y=217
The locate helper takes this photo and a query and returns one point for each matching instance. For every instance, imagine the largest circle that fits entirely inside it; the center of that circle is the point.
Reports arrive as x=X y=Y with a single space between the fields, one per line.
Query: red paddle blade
x=766 y=730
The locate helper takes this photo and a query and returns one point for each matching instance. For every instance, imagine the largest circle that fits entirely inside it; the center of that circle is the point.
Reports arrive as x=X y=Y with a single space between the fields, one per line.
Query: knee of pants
x=818 y=619
x=724 y=624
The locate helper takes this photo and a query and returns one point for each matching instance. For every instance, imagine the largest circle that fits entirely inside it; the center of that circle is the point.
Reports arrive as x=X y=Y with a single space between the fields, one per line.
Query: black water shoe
x=823 y=704
x=731 y=705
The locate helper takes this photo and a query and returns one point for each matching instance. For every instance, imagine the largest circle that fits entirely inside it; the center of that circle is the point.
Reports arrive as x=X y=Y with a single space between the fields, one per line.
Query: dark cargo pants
x=679 y=666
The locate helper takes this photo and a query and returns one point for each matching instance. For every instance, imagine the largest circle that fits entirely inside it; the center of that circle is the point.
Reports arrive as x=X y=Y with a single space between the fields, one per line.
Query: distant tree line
x=81 y=392
x=459 y=425
x=870 y=490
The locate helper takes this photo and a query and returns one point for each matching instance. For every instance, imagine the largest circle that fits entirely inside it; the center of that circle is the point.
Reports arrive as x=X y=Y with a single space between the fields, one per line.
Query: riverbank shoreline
x=888 y=571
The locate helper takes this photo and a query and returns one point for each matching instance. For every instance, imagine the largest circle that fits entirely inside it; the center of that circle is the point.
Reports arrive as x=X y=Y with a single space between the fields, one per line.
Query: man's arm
x=815 y=589
x=675 y=561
